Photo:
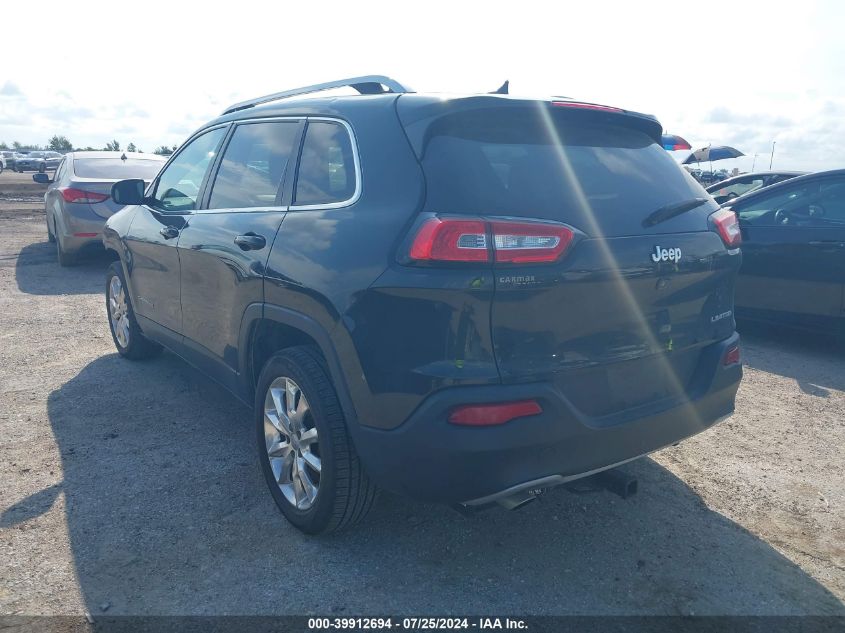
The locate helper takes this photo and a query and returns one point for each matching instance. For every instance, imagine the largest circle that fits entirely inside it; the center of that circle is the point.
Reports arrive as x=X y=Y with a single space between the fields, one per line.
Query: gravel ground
x=133 y=488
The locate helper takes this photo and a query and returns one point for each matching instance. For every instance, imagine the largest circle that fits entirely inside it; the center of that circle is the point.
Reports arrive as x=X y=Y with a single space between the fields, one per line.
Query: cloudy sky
x=735 y=73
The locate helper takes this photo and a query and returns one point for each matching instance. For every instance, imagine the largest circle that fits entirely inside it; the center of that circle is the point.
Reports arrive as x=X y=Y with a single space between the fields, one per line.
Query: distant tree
x=131 y=148
x=114 y=146
x=59 y=144
x=163 y=150
x=3 y=146
x=17 y=145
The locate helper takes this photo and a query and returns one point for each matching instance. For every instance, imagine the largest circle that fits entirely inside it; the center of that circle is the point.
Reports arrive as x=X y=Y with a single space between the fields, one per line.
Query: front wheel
x=306 y=454
x=128 y=338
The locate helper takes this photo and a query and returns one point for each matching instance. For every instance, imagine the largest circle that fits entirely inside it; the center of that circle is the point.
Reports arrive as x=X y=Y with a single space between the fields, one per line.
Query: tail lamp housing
x=70 y=194
x=488 y=240
x=726 y=224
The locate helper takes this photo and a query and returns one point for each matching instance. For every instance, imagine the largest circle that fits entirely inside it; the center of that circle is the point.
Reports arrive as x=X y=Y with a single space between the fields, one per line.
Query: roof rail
x=365 y=85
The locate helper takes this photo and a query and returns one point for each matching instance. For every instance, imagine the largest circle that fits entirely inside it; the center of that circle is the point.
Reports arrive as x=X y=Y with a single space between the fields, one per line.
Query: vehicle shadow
x=815 y=361
x=168 y=513
x=38 y=273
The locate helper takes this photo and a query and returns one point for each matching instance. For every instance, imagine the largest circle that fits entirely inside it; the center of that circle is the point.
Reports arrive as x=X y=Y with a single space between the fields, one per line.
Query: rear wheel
x=65 y=259
x=42 y=168
x=128 y=338
x=308 y=460
x=51 y=235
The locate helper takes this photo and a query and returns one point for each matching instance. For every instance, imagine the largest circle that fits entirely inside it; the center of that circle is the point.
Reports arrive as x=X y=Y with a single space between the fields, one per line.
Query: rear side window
x=253 y=165
x=116 y=169
x=599 y=176
x=326 y=166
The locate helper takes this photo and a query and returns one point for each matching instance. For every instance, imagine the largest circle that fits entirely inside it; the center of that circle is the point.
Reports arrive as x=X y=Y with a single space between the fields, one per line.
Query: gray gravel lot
x=133 y=488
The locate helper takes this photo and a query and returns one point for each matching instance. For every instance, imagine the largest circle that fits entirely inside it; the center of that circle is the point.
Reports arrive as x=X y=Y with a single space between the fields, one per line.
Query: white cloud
x=753 y=76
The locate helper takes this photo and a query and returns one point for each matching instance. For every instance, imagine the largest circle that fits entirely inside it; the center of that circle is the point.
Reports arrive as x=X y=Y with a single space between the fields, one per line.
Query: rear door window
x=327 y=174
x=253 y=165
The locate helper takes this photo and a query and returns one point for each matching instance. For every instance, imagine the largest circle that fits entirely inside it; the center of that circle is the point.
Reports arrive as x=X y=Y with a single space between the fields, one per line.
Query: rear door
x=153 y=263
x=620 y=319
x=224 y=246
x=793 y=267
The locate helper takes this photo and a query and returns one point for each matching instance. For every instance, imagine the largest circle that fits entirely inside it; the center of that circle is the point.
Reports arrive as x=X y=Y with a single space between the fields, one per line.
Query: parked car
x=2 y=161
x=746 y=183
x=77 y=202
x=37 y=161
x=464 y=300
x=793 y=269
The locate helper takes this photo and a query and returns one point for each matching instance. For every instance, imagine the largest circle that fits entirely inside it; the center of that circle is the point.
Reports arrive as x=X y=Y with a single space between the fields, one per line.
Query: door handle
x=250 y=242
x=169 y=232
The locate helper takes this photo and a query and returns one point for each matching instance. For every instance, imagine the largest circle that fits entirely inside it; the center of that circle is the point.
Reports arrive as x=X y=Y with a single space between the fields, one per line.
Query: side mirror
x=128 y=192
x=42 y=179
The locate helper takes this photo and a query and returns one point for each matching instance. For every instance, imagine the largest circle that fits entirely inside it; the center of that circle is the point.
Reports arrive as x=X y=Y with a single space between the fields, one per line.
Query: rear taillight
x=494 y=413
x=476 y=240
x=451 y=241
x=732 y=356
x=78 y=195
x=529 y=242
x=727 y=225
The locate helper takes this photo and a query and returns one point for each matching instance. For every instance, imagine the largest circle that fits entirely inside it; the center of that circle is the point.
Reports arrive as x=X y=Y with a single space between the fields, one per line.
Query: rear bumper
x=428 y=458
x=81 y=228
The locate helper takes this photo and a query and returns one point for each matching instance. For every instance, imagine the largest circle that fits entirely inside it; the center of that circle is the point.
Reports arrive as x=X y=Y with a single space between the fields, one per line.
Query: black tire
x=51 y=236
x=64 y=258
x=138 y=347
x=345 y=493
x=42 y=168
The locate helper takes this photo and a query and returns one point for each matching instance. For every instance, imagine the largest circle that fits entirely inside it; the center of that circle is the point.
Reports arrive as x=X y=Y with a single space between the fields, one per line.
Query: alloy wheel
x=119 y=311
x=290 y=437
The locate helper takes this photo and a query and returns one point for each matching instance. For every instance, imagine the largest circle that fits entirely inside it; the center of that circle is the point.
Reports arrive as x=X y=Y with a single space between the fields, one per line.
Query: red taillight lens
x=585 y=106
x=451 y=241
x=493 y=414
x=529 y=242
x=727 y=225
x=78 y=195
x=732 y=356
x=476 y=240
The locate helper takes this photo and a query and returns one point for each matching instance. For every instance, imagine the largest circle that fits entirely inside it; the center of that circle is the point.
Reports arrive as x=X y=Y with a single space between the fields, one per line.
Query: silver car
x=38 y=161
x=78 y=201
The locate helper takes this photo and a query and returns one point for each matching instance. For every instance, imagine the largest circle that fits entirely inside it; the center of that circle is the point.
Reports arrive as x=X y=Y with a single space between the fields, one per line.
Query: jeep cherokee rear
x=456 y=299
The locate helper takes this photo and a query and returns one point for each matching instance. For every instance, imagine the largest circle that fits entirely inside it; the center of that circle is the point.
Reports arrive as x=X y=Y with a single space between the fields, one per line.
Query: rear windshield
x=596 y=176
x=116 y=169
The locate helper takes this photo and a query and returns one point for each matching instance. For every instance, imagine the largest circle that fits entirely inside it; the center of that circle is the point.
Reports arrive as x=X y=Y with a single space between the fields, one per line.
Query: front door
x=153 y=261
x=224 y=247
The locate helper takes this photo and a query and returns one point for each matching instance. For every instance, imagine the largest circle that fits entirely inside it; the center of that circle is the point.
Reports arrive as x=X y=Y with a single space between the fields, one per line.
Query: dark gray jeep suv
x=461 y=299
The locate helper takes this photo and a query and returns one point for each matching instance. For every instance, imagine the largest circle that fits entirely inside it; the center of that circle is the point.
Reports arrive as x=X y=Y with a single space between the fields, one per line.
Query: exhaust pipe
x=516 y=500
x=617 y=481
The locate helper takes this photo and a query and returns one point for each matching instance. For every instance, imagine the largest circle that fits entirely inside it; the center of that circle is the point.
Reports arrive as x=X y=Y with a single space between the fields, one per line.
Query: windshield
x=116 y=169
